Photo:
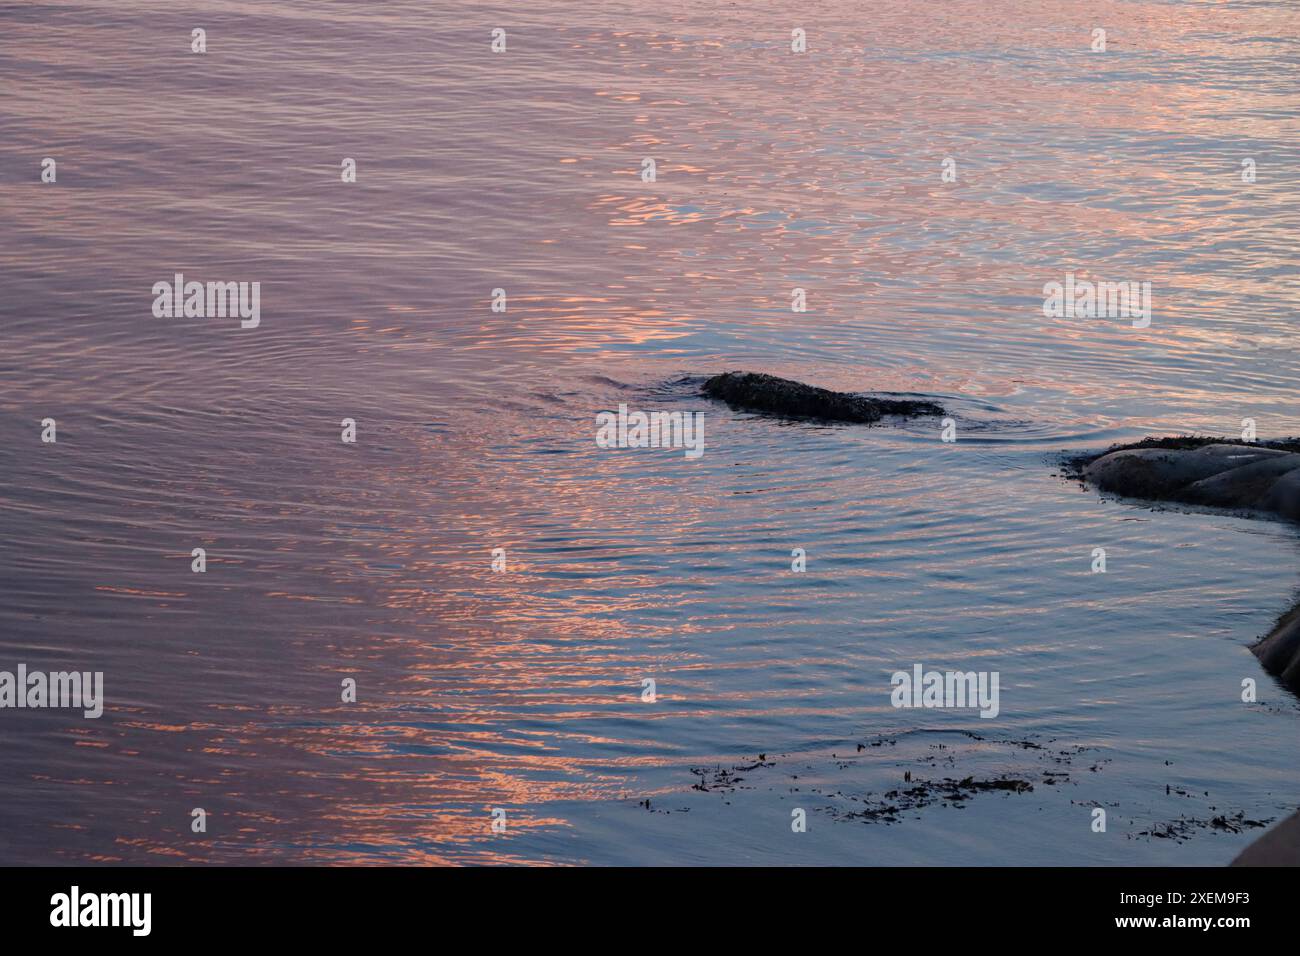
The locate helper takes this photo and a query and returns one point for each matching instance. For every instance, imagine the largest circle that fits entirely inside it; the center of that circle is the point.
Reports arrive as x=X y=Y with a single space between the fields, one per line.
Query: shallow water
x=522 y=690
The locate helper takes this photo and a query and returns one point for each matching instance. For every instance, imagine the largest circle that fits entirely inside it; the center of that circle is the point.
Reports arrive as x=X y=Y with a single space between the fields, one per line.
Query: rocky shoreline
x=1259 y=478
x=1256 y=478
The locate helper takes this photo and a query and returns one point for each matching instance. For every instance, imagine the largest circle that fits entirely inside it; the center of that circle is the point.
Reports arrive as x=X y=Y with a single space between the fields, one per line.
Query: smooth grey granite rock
x=1279 y=651
x=1284 y=496
x=1217 y=475
x=1245 y=485
x=1172 y=474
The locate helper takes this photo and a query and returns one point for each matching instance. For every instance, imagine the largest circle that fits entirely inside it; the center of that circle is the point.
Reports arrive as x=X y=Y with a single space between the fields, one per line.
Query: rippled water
x=522 y=690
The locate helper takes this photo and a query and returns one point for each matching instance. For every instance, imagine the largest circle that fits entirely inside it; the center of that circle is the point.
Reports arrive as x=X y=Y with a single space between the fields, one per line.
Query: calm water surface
x=521 y=690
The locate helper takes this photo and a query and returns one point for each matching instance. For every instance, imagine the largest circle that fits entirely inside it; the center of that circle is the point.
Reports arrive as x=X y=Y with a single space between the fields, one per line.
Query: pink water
x=521 y=170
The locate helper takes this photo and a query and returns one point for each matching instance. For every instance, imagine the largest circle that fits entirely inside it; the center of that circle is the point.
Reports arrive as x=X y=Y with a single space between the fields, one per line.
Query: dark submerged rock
x=757 y=392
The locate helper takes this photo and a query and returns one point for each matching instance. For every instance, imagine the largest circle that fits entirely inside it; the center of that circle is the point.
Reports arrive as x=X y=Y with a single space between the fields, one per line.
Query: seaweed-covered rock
x=757 y=392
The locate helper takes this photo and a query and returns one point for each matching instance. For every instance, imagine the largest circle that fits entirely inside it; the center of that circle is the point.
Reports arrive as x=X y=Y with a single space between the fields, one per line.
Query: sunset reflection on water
x=521 y=689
